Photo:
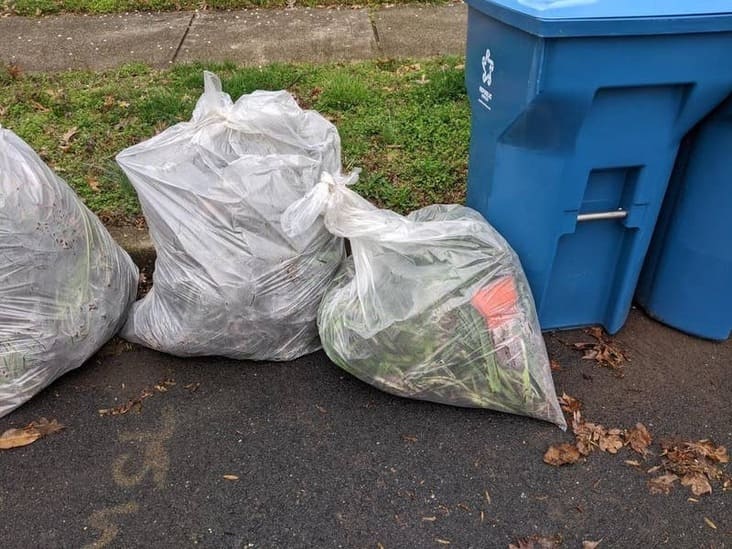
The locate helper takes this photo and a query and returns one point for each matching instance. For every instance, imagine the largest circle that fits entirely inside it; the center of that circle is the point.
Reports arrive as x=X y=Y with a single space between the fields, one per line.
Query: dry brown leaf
x=45 y=427
x=231 y=477
x=710 y=523
x=584 y=446
x=321 y=409
x=429 y=519
x=591 y=350
x=632 y=463
x=57 y=95
x=708 y=449
x=570 y=404
x=583 y=434
x=192 y=387
x=38 y=106
x=15 y=71
x=698 y=483
x=589 y=435
x=67 y=137
x=15 y=438
x=590 y=544
x=132 y=405
x=409 y=438
x=406 y=69
x=577 y=422
x=561 y=454
x=603 y=351
x=662 y=484
x=639 y=439
x=443 y=541
x=121 y=409
x=720 y=455
x=554 y=366
x=611 y=443
x=93 y=183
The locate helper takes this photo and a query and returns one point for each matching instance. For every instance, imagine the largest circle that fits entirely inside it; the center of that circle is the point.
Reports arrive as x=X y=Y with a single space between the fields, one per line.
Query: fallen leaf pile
x=590 y=437
x=694 y=464
x=135 y=404
x=603 y=351
x=15 y=438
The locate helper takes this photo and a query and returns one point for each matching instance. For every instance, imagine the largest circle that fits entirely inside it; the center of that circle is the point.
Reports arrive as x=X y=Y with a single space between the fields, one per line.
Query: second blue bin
x=578 y=109
x=687 y=279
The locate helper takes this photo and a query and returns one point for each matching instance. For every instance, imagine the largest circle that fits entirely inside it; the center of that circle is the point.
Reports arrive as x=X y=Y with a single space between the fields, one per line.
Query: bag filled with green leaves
x=432 y=306
x=65 y=285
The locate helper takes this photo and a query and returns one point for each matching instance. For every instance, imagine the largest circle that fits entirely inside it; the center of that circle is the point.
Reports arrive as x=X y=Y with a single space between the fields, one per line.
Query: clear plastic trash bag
x=432 y=306
x=65 y=285
x=228 y=281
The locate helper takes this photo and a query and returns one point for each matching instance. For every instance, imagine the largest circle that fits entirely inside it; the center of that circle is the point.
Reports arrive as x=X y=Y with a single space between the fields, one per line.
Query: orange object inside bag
x=497 y=302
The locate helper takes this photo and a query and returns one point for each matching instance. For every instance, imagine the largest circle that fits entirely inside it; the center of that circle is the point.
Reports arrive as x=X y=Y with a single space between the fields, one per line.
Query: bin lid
x=556 y=18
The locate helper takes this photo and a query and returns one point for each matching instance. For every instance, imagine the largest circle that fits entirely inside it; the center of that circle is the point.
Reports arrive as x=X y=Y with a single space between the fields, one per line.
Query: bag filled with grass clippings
x=431 y=306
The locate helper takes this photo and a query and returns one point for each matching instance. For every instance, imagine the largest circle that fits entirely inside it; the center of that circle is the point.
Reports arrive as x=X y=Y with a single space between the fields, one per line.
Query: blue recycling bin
x=687 y=278
x=578 y=108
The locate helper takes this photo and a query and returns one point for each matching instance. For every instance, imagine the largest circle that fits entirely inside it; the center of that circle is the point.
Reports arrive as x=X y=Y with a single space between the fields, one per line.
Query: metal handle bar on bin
x=597 y=216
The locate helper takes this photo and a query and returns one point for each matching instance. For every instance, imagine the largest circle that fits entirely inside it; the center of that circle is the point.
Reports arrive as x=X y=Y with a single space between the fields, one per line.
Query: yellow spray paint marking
x=155 y=460
x=104 y=523
x=155 y=457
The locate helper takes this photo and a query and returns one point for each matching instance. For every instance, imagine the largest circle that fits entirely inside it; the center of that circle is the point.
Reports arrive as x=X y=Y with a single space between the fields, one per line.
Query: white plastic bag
x=65 y=285
x=227 y=280
x=432 y=306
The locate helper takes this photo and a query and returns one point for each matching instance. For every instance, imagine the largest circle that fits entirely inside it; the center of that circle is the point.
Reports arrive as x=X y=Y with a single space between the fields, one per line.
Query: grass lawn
x=44 y=7
x=405 y=123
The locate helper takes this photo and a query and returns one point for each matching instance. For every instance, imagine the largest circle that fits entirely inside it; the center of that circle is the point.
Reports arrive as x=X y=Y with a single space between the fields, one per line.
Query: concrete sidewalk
x=250 y=37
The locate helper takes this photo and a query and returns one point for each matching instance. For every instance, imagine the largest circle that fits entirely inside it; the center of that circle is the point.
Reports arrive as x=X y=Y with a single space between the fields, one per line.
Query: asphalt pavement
x=240 y=454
